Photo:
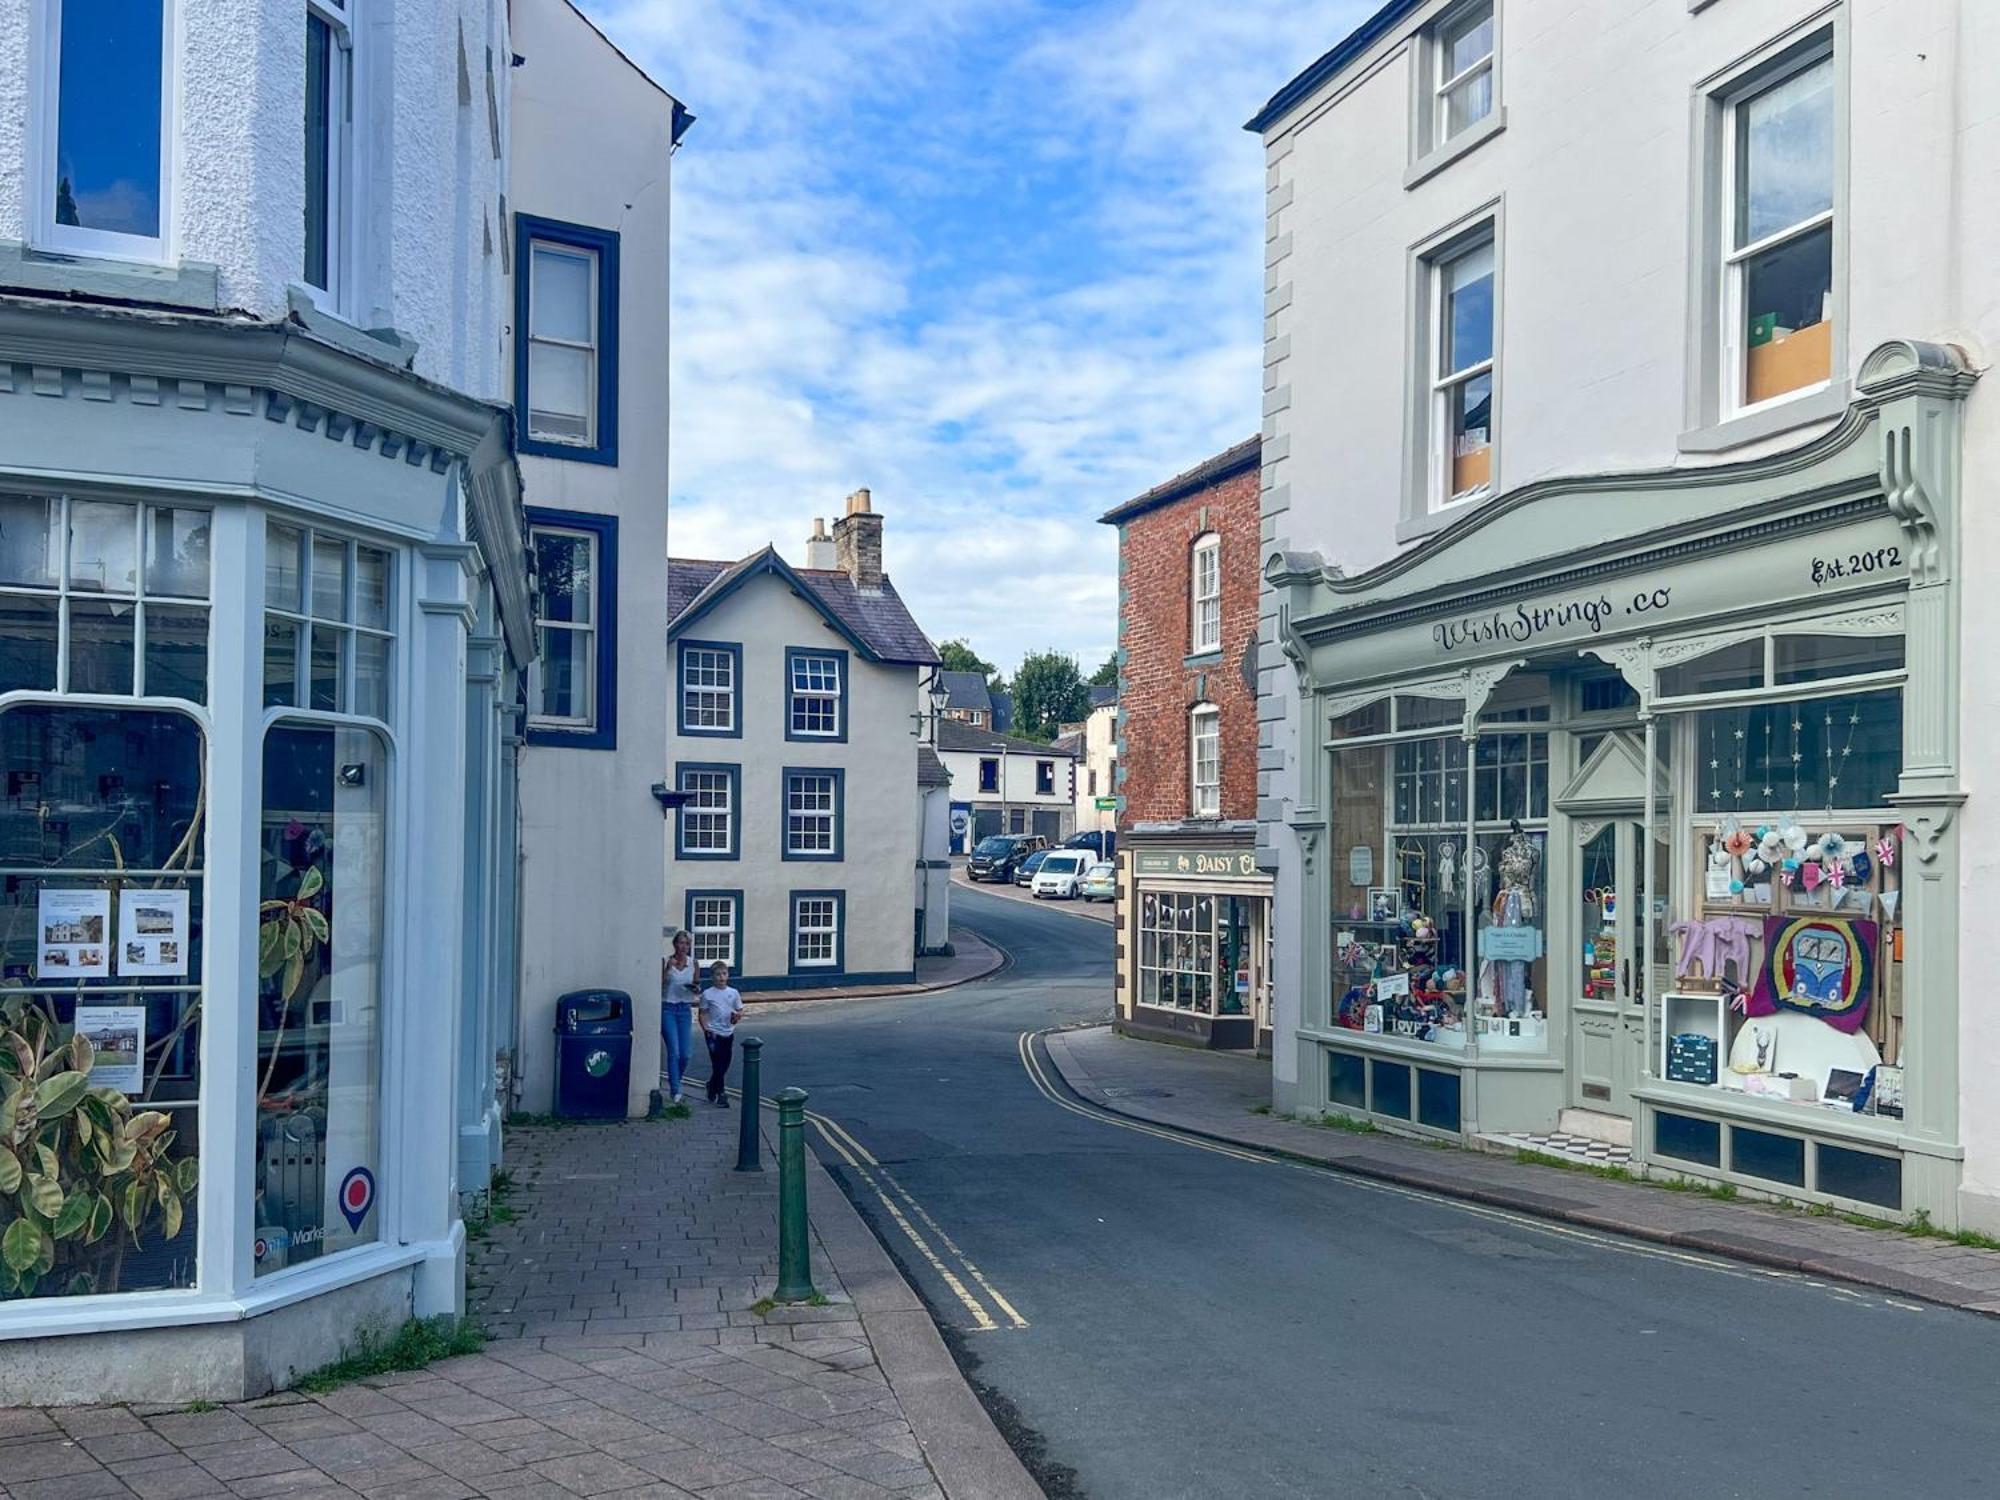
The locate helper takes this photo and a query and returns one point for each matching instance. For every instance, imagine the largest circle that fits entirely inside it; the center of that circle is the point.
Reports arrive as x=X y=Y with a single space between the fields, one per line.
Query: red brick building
x=1194 y=909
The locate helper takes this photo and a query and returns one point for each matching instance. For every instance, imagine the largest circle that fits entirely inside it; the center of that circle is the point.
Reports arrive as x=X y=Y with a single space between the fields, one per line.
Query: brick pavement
x=1214 y=1094
x=625 y=1362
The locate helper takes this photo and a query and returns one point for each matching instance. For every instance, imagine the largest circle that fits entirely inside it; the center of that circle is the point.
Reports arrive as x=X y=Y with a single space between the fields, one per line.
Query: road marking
x=1038 y=1076
x=1037 y=904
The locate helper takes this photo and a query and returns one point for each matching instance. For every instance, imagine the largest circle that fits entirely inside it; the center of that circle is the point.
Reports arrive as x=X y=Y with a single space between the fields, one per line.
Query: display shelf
x=1689 y=1012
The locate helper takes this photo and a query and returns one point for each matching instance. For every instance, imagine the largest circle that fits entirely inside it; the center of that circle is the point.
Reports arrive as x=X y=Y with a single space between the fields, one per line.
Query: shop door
x=1608 y=1015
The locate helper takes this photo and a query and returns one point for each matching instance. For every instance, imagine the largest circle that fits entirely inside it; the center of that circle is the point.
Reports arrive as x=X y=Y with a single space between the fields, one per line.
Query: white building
x=1004 y=784
x=1647 y=552
x=1097 y=764
x=264 y=620
x=797 y=853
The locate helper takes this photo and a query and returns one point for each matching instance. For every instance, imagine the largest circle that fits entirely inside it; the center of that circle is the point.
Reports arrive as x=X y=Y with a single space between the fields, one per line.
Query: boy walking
x=721 y=1008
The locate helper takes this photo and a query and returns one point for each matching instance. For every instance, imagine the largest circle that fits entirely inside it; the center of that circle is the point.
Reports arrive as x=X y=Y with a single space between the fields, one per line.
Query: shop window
x=1511 y=777
x=1347 y=1080
x=1389 y=1088
x=1761 y=1153
x=1178 y=951
x=108 y=595
x=989 y=775
x=1778 y=266
x=1438 y=1100
x=1726 y=669
x=1865 y=1176
x=813 y=814
x=817 y=942
x=316 y=1133
x=1428 y=713
x=101 y=925
x=1843 y=752
x=1361 y=723
x=1603 y=695
x=566 y=359
x=1687 y=1138
x=715 y=927
x=1816 y=658
x=1205 y=761
x=1464 y=369
x=328 y=631
x=708 y=819
x=329 y=155
x=711 y=676
x=103 y=184
x=817 y=706
x=1205 y=586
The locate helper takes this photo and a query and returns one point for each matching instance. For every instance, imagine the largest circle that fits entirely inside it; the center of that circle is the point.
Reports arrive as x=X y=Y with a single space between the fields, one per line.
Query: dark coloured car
x=998 y=856
x=1026 y=874
x=1101 y=843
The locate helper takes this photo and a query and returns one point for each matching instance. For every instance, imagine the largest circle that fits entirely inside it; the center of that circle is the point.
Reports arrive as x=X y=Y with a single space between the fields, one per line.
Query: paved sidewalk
x=972 y=958
x=1215 y=1095
x=626 y=1363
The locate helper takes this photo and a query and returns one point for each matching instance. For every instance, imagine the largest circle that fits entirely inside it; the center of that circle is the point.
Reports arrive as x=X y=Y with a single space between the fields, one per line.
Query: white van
x=1061 y=874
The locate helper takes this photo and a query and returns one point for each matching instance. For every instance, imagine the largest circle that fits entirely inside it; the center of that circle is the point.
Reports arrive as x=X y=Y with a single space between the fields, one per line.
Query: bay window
x=328 y=633
x=104 y=115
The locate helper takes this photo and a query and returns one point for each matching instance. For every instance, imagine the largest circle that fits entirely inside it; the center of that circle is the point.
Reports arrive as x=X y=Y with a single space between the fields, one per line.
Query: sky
x=999 y=261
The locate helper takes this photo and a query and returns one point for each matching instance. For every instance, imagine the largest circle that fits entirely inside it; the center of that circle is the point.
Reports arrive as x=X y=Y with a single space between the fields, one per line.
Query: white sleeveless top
x=681 y=986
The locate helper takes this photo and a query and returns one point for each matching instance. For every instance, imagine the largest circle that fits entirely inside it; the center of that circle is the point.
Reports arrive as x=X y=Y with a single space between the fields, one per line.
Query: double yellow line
x=1038 y=1076
x=953 y=1266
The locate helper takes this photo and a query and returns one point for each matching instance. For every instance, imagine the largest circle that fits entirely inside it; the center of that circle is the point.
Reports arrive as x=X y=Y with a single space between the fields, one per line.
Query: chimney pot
x=859 y=503
x=821 y=554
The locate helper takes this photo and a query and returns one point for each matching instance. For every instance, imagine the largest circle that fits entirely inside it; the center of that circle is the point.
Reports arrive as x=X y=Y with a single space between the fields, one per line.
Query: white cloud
x=1094 y=332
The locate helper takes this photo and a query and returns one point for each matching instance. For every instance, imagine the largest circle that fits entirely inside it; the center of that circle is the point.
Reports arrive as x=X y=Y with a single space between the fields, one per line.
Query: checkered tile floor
x=1580 y=1147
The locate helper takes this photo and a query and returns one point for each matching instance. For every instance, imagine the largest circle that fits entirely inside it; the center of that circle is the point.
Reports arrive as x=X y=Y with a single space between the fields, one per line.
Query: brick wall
x=1157 y=684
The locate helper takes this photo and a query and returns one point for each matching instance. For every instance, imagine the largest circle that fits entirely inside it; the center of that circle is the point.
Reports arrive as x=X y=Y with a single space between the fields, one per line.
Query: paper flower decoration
x=1794 y=837
x=1885 y=851
x=1739 y=843
x=1814 y=852
x=1718 y=857
x=1757 y=866
x=1811 y=875
x=1862 y=866
x=1832 y=847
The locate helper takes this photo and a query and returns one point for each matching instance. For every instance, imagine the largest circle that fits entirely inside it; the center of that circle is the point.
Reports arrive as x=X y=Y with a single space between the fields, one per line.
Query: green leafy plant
x=84 y=1175
x=290 y=933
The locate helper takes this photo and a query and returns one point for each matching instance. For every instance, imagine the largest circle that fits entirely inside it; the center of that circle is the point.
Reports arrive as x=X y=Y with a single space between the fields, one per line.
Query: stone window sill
x=187 y=285
x=1804 y=411
x=1464 y=143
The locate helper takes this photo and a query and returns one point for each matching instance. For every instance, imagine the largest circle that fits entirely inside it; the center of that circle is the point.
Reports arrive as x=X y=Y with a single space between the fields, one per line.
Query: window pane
x=177 y=652
x=103 y=547
x=27 y=642
x=1788 y=312
x=1469 y=409
x=371 y=587
x=1468 y=309
x=108 y=117
x=371 y=676
x=563 y=579
x=324 y=687
x=177 y=552
x=316 y=1122
x=1469 y=102
x=565 y=670
x=29 y=530
x=1467 y=41
x=329 y=579
x=559 y=391
x=281 y=567
x=1811 y=658
x=1784 y=154
x=559 y=300
x=100 y=646
x=281 y=663
x=1723 y=671
x=1820 y=752
x=1371 y=719
x=319 y=137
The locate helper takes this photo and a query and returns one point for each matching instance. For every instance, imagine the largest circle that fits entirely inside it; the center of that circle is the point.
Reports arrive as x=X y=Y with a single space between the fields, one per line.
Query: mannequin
x=1505 y=980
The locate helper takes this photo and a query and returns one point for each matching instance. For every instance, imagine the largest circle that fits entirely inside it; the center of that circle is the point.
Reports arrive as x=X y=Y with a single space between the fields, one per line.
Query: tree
x=1049 y=692
x=1106 y=675
x=959 y=657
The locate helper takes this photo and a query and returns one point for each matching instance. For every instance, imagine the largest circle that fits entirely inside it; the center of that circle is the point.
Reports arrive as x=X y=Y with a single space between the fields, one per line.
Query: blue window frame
x=565 y=340
x=709 y=824
x=573 y=686
x=819 y=932
x=813 y=819
x=708 y=679
x=715 y=927
x=816 y=694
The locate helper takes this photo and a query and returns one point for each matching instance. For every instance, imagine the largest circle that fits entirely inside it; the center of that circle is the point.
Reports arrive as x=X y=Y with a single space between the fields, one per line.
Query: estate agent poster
x=75 y=932
x=118 y=1038
x=153 y=933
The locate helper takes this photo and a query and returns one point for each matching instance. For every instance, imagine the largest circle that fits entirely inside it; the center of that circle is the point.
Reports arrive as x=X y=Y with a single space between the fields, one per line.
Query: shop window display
x=319 y=1000
x=1194 y=952
x=102 y=843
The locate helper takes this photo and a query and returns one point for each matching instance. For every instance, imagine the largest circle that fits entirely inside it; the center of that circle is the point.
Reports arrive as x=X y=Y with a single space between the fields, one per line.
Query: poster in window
x=117 y=1036
x=153 y=934
x=74 y=931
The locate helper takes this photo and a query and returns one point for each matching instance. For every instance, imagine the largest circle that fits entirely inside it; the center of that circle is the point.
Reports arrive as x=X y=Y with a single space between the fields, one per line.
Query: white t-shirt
x=681 y=986
x=720 y=1008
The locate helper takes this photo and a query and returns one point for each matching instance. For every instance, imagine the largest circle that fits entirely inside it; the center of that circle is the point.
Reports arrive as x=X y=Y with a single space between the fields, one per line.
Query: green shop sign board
x=1234 y=865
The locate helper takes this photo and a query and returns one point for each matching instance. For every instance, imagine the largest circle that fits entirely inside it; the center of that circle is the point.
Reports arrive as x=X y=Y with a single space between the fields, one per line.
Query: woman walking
x=680 y=992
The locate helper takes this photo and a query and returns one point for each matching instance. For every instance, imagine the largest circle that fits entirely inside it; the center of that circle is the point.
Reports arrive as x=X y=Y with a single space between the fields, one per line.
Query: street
x=1150 y=1316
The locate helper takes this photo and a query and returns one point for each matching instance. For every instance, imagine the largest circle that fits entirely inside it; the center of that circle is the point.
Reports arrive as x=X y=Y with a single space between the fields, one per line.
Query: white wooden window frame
x=1205 y=769
x=708 y=825
x=342 y=163
x=348 y=630
x=709 y=705
x=1445 y=379
x=587 y=628
x=1735 y=261
x=815 y=689
x=44 y=123
x=1442 y=84
x=1205 y=593
x=810 y=828
x=807 y=926
x=588 y=438
x=704 y=926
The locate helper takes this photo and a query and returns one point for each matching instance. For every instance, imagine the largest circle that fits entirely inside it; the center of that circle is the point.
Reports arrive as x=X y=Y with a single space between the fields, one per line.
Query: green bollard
x=794 y=1256
x=749 y=1140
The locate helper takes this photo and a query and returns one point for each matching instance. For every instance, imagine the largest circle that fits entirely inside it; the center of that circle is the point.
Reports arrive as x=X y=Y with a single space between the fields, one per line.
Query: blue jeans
x=675 y=1038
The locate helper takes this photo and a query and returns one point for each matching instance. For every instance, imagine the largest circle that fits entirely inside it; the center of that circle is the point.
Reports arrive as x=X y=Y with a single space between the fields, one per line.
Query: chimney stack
x=857 y=542
x=820 y=553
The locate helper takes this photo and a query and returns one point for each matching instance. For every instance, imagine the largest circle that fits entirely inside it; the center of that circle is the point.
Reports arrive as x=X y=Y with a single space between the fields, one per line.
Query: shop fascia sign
x=1821 y=565
x=1238 y=865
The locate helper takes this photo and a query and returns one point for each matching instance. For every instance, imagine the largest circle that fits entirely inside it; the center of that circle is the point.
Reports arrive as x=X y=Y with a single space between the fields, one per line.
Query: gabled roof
x=931 y=770
x=1209 y=472
x=1345 y=51
x=969 y=738
x=966 y=690
x=1071 y=743
x=876 y=623
x=1103 y=695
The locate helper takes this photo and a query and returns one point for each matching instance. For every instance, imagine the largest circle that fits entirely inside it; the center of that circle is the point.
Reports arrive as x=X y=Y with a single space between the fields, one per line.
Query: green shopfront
x=1194 y=945
x=1652 y=838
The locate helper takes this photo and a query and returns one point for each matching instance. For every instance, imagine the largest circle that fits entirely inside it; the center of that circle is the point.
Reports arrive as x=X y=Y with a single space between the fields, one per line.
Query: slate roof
x=953 y=735
x=878 y=622
x=966 y=690
x=930 y=770
x=1103 y=693
x=1229 y=462
x=1071 y=743
x=1003 y=711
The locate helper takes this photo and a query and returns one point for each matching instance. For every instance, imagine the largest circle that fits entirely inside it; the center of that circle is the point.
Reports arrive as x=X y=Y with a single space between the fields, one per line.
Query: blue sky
x=997 y=260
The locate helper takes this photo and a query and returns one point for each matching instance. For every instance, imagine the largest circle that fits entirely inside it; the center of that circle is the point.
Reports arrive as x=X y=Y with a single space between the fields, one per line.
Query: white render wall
x=430 y=176
x=882 y=803
x=1100 y=753
x=1592 y=175
x=591 y=141
x=1017 y=779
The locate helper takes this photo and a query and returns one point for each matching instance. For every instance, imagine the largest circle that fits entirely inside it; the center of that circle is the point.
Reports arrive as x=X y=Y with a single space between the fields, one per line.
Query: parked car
x=1061 y=874
x=1100 y=882
x=1102 y=843
x=999 y=855
x=1025 y=875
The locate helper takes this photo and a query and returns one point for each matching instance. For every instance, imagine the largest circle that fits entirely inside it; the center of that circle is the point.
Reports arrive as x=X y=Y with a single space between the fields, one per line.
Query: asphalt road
x=1200 y=1324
